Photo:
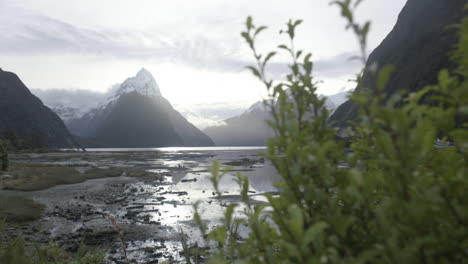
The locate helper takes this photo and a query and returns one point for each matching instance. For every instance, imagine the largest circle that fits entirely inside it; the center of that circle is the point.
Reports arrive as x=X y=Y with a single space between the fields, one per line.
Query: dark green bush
x=3 y=156
x=18 y=209
x=401 y=199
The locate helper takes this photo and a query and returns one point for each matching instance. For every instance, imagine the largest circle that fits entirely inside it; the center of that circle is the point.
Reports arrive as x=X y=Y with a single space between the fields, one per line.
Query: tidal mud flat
x=145 y=208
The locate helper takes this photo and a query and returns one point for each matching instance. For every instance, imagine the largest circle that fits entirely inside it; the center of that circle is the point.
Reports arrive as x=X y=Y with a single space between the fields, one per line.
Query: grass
x=17 y=209
x=38 y=178
x=33 y=178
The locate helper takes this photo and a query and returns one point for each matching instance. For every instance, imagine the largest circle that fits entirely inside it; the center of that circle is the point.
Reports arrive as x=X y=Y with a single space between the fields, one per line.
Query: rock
x=189 y=180
x=6 y=177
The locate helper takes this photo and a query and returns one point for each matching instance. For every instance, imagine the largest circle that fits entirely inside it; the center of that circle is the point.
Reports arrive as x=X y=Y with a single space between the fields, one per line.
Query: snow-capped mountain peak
x=143 y=83
x=258 y=107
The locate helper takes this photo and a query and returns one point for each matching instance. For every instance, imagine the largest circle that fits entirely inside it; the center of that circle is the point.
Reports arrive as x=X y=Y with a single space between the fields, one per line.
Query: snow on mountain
x=334 y=101
x=67 y=112
x=69 y=104
x=137 y=115
x=143 y=83
x=256 y=107
x=202 y=122
x=213 y=114
x=74 y=104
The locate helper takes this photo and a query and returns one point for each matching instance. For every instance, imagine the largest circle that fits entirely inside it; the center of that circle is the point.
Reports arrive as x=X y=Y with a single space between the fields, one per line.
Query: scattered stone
x=189 y=180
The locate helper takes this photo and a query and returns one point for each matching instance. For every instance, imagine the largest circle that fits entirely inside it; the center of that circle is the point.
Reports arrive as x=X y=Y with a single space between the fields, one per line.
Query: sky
x=193 y=48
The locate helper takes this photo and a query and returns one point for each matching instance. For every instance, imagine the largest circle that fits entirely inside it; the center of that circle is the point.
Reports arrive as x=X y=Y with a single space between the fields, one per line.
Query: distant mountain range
x=136 y=115
x=248 y=129
x=71 y=103
x=251 y=128
x=25 y=120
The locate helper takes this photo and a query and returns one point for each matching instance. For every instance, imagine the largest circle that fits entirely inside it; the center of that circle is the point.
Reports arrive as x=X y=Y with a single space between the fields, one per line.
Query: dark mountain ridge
x=418 y=46
x=25 y=120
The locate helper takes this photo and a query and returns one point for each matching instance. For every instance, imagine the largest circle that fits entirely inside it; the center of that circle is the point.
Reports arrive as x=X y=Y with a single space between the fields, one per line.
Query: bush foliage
x=17 y=251
x=398 y=199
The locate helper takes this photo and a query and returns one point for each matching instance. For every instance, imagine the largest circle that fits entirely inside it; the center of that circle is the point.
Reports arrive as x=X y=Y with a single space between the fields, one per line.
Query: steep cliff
x=418 y=46
x=25 y=120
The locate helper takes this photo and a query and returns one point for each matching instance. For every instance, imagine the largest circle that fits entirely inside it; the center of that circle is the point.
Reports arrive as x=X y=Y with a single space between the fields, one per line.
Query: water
x=154 y=208
x=175 y=149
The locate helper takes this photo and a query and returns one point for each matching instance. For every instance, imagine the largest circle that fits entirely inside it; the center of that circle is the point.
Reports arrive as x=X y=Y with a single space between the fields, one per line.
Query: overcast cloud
x=40 y=35
x=193 y=48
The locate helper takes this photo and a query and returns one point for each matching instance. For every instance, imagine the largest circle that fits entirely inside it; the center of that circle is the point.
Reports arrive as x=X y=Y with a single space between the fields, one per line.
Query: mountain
x=335 y=100
x=418 y=47
x=70 y=104
x=250 y=128
x=25 y=120
x=137 y=115
x=74 y=103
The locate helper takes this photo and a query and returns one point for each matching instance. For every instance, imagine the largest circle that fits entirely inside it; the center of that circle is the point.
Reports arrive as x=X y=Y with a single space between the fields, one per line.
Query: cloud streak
x=39 y=35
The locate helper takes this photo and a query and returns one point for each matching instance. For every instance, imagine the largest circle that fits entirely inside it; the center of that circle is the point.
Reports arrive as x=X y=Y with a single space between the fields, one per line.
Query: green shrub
x=16 y=251
x=33 y=177
x=25 y=178
x=401 y=200
x=3 y=156
x=17 y=209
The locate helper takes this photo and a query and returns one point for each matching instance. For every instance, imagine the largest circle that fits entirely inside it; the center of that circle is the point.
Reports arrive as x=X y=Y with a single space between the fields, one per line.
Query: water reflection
x=158 y=204
x=174 y=149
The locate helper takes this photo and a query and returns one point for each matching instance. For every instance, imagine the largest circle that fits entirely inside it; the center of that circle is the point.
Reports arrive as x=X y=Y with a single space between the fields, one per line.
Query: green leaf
x=283 y=47
x=314 y=232
x=229 y=212
x=260 y=29
x=254 y=71
x=268 y=57
x=249 y=23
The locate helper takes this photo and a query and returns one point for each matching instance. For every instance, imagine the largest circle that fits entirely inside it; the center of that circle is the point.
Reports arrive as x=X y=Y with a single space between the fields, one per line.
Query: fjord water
x=177 y=149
